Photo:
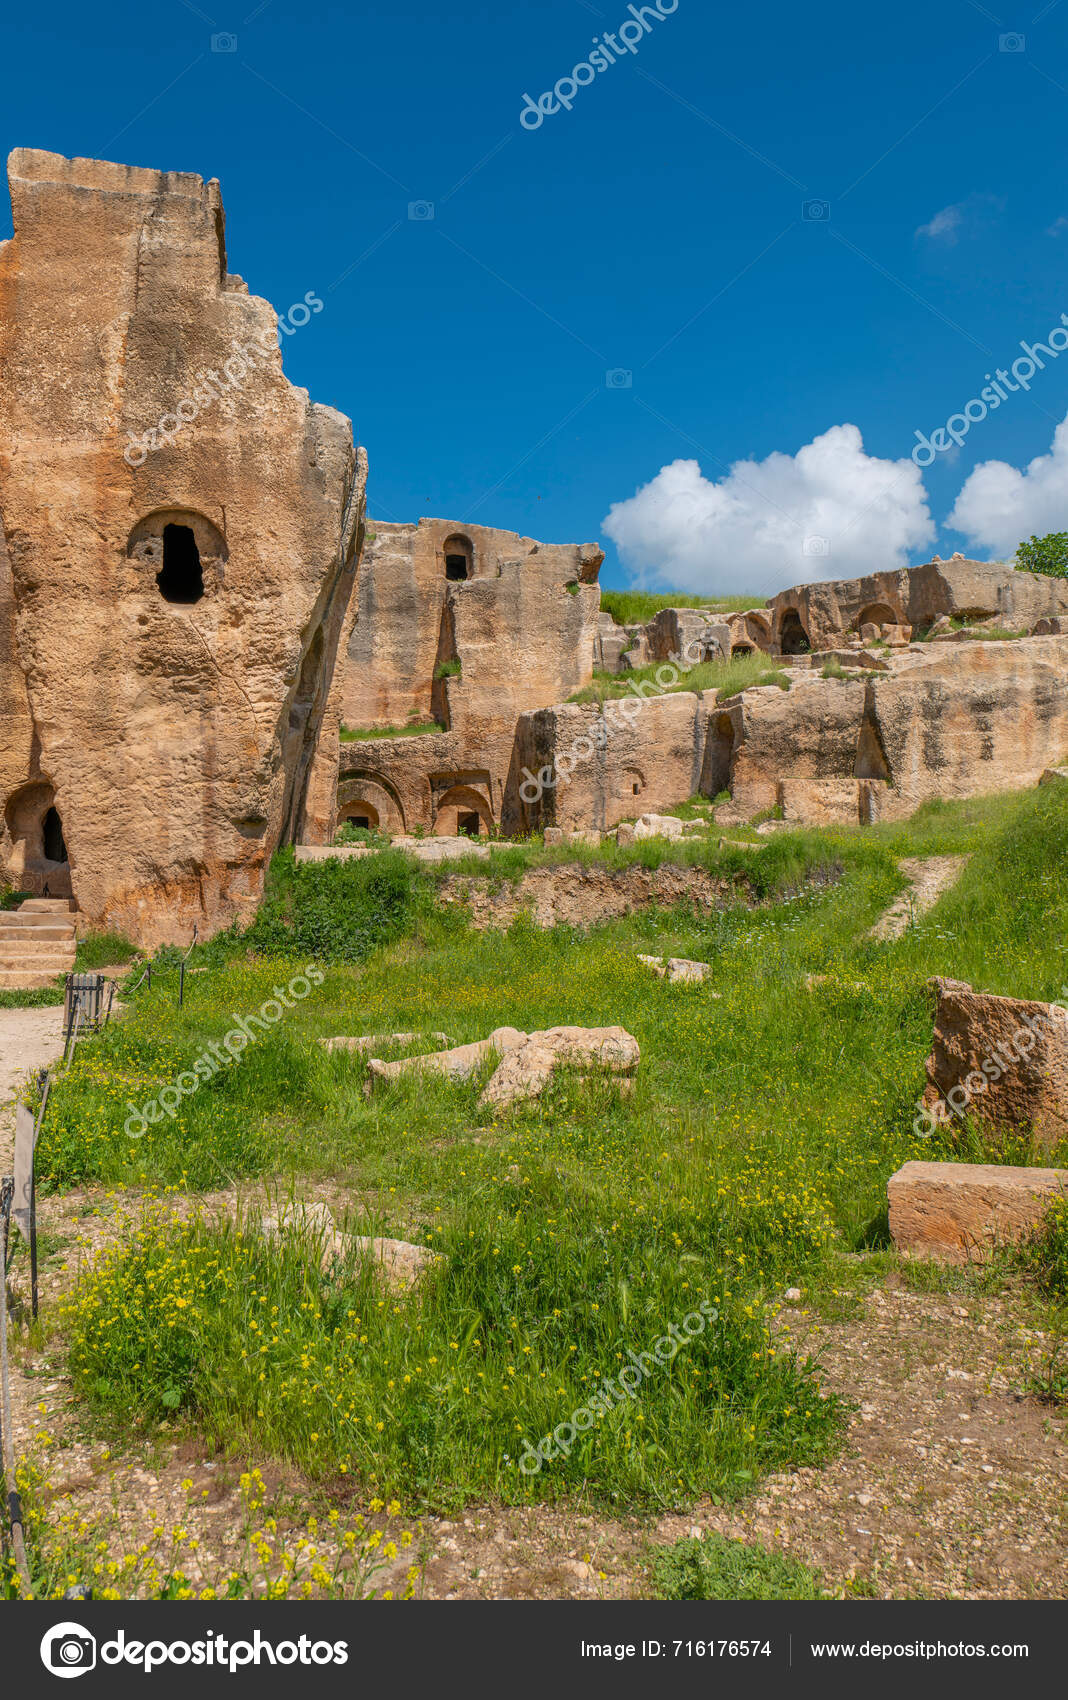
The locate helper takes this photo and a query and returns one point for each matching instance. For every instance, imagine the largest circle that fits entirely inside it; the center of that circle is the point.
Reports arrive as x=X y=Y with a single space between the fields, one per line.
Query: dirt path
x=928 y=877
x=29 y=1039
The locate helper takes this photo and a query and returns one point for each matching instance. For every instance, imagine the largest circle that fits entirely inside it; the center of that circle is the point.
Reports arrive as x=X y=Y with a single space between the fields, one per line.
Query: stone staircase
x=37 y=942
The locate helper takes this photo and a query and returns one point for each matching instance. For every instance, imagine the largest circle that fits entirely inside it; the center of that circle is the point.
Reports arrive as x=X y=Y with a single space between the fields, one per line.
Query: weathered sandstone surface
x=999 y=1060
x=169 y=614
x=814 y=616
x=960 y=1212
x=469 y=627
x=941 y=720
x=525 y=1070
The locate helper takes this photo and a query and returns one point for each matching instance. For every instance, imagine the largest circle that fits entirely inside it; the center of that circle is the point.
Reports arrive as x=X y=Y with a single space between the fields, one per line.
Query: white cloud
x=999 y=505
x=944 y=227
x=964 y=218
x=762 y=527
x=1058 y=227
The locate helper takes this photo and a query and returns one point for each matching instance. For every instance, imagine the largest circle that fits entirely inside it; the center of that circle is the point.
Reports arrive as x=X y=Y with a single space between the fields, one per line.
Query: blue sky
x=654 y=230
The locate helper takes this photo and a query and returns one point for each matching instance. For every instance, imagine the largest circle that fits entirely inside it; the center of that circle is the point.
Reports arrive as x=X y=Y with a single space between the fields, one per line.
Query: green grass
x=727 y=677
x=40 y=997
x=449 y=669
x=103 y=950
x=754 y=1152
x=413 y=729
x=636 y=607
x=715 y=1568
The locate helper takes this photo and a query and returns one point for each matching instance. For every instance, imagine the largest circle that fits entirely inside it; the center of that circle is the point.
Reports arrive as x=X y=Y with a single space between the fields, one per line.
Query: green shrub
x=1044 y=1257
x=336 y=910
x=348 y=833
x=715 y=1568
x=103 y=950
x=1047 y=555
x=449 y=669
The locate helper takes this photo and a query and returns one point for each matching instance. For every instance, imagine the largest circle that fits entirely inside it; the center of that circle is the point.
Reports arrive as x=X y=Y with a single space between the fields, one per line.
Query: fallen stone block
x=458 y=1064
x=739 y=844
x=554 y=835
x=677 y=968
x=401 y=1262
x=624 y=834
x=310 y=1219
x=658 y=826
x=441 y=849
x=960 y=1212
x=1003 y=1061
x=526 y=1070
x=1054 y=776
x=689 y=827
x=381 y=1040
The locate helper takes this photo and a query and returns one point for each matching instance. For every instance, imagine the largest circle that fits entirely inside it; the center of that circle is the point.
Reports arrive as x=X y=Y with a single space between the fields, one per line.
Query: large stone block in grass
x=1002 y=1061
x=458 y=1064
x=960 y=1212
x=525 y=1071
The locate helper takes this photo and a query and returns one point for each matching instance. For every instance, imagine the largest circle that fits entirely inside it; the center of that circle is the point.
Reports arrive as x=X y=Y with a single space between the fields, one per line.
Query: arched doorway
x=462 y=809
x=54 y=844
x=459 y=558
x=876 y=614
x=38 y=858
x=793 y=638
x=358 y=812
x=181 y=577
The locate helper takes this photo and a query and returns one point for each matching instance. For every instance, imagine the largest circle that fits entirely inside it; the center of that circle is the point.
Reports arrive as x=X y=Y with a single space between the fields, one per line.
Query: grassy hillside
x=768 y=1114
x=635 y=607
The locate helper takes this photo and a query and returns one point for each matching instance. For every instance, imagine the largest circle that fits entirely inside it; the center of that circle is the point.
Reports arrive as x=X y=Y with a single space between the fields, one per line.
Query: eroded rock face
x=468 y=628
x=816 y=616
x=1003 y=1061
x=171 y=597
x=961 y=1212
x=577 y=765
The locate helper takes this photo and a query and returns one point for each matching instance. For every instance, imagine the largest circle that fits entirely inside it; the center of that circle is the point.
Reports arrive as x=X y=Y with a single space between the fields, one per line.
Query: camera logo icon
x=224 y=42
x=1012 y=43
x=815 y=546
x=421 y=212
x=68 y=1650
x=816 y=212
x=618 y=378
